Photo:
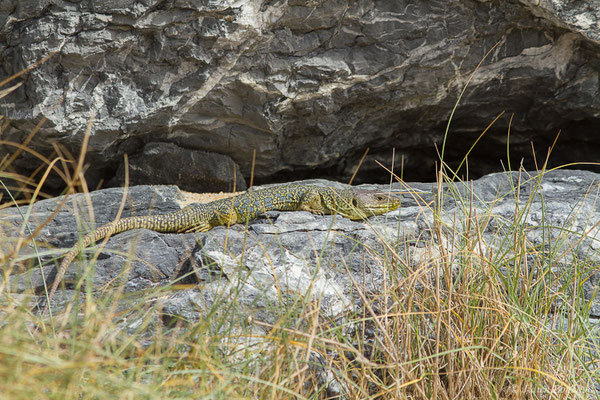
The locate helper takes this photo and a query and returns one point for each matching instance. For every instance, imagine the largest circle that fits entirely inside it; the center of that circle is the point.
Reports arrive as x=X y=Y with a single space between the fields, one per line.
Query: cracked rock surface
x=307 y=85
x=282 y=255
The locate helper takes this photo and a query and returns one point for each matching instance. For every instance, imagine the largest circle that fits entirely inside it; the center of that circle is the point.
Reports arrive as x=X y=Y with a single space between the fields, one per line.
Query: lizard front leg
x=313 y=202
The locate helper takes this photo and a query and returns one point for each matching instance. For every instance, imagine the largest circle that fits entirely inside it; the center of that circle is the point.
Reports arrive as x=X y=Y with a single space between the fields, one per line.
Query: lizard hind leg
x=199 y=227
x=205 y=219
x=192 y=219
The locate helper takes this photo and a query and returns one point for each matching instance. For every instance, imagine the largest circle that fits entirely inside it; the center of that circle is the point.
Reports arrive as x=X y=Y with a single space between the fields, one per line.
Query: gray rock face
x=193 y=170
x=286 y=254
x=306 y=85
x=80 y=214
x=579 y=17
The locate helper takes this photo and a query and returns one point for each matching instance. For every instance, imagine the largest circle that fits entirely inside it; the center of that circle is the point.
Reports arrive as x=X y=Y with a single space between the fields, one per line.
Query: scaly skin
x=350 y=203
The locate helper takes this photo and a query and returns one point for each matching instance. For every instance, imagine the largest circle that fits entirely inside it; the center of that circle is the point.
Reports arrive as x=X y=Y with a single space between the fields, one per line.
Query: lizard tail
x=150 y=222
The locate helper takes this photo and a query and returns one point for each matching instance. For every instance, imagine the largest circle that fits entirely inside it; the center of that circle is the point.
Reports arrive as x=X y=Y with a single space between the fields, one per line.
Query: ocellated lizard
x=351 y=203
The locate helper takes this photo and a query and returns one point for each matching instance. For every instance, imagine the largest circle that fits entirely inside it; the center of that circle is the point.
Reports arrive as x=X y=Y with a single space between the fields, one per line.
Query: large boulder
x=301 y=87
x=282 y=255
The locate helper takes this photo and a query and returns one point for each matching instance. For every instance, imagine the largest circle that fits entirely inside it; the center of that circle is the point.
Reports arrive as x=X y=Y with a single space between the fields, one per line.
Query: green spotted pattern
x=350 y=203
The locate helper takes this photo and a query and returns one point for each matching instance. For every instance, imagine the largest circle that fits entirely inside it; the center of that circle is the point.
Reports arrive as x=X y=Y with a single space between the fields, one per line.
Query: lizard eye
x=380 y=198
x=354 y=203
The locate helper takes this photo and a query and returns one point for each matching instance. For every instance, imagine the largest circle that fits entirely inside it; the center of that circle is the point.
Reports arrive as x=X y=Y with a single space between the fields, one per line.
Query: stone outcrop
x=194 y=170
x=294 y=253
x=306 y=85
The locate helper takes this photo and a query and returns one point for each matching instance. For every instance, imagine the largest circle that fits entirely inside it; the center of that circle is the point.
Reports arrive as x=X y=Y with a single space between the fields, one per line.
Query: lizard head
x=360 y=204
